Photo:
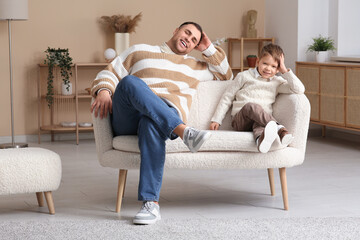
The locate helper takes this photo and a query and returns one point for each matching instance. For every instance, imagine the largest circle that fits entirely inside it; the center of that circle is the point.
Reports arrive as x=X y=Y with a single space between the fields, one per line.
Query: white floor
x=327 y=184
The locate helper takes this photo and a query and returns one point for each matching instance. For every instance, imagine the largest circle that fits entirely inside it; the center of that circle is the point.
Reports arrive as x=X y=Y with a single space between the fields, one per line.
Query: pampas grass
x=121 y=23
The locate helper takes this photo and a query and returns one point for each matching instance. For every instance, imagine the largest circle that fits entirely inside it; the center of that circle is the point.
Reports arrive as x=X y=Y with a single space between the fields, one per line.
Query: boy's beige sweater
x=249 y=86
x=172 y=77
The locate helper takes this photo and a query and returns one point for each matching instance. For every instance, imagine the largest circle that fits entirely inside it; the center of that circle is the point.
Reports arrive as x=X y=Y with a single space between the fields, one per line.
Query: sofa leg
x=271 y=181
x=282 y=172
x=121 y=187
x=50 y=202
x=124 y=183
x=40 y=199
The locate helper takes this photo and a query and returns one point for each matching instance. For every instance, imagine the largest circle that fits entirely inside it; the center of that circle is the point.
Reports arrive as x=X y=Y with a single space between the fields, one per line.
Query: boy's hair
x=196 y=25
x=273 y=50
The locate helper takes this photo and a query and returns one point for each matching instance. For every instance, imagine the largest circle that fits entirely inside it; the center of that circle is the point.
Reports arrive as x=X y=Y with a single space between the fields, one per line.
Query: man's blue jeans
x=136 y=110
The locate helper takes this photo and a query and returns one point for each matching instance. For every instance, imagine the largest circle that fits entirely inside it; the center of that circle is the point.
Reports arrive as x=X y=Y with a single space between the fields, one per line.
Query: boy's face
x=267 y=66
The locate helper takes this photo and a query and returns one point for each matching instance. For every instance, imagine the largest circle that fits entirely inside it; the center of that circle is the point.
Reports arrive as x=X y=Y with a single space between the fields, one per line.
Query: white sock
x=279 y=127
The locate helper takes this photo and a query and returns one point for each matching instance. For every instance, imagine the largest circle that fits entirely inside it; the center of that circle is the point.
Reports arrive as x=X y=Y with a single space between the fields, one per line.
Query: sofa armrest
x=293 y=111
x=103 y=134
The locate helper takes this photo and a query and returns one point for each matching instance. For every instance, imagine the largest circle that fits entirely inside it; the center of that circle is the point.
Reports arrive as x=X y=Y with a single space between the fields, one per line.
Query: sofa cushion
x=228 y=141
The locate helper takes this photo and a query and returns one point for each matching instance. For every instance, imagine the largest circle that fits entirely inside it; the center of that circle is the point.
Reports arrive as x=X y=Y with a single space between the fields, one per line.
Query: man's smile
x=183 y=43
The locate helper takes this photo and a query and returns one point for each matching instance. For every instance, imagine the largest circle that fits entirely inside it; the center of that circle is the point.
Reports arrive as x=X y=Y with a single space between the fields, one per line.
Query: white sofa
x=226 y=149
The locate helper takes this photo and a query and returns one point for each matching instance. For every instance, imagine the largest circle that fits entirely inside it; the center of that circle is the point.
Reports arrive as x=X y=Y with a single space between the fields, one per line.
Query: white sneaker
x=285 y=137
x=194 y=138
x=267 y=137
x=148 y=214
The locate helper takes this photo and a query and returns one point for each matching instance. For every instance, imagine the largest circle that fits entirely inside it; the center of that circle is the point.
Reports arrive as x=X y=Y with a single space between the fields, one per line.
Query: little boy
x=252 y=94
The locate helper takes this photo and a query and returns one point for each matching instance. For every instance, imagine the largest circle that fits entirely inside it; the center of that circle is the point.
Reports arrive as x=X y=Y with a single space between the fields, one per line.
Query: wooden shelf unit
x=242 y=42
x=78 y=95
x=333 y=89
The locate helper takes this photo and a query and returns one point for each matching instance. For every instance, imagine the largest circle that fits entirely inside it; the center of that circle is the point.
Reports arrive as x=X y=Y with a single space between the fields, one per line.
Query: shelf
x=80 y=95
x=79 y=98
x=260 y=43
x=80 y=65
x=45 y=65
x=239 y=68
x=251 y=39
x=59 y=96
x=84 y=95
x=59 y=128
x=91 y=64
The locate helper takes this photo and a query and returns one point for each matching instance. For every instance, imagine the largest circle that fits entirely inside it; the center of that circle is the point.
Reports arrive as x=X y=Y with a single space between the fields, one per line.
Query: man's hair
x=196 y=25
x=273 y=50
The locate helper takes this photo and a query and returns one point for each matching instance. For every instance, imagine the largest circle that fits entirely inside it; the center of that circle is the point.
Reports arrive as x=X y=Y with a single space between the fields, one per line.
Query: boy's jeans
x=136 y=110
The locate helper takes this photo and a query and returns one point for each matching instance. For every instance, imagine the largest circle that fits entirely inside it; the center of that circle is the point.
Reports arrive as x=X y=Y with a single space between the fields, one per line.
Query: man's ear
x=257 y=62
x=176 y=30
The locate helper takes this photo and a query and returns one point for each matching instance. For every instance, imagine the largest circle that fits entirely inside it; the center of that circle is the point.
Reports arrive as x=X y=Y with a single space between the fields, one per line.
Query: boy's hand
x=282 y=67
x=204 y=44
x=214 y=126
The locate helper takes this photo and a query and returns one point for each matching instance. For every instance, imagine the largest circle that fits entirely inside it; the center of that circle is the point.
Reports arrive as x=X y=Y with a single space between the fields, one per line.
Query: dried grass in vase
x=121 y=23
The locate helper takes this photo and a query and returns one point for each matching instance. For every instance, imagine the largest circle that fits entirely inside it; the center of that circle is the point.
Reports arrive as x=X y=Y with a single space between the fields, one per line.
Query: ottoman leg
x=40 y=199
x=50 y=202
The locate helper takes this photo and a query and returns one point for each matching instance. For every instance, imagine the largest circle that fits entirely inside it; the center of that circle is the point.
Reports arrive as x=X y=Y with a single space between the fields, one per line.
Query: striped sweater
x=172 y=77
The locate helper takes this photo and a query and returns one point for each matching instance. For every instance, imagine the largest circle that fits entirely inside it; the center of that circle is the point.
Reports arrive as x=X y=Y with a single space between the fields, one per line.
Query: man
x=152 y=89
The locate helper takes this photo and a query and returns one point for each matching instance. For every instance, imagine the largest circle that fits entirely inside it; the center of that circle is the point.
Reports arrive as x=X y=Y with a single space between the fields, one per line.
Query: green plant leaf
x=321 y=44
x=61 y=58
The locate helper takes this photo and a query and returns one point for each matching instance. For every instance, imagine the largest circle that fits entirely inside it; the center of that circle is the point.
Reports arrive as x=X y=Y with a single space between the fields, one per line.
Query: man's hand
x=204 y=44
x=102 y=104
x=282 y=67
x=214 y=126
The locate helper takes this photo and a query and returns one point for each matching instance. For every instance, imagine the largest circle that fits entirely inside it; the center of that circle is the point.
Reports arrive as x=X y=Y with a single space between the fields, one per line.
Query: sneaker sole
x=287 y=139
x=146 y=222
x=270 y=133
x=206 y=136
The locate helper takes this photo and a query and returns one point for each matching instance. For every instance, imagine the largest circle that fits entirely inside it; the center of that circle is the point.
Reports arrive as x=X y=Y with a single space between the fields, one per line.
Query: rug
x=269 y=228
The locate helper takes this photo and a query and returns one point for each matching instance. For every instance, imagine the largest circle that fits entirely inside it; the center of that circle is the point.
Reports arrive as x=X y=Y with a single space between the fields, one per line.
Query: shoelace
x=190 y=134
x=147 y=206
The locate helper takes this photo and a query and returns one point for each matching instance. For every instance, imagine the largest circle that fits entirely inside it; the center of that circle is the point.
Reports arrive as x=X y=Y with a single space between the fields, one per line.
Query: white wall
x=313 y=20
x=294 y=23
x=333 y=21
x=281 y=23
x=348 y=27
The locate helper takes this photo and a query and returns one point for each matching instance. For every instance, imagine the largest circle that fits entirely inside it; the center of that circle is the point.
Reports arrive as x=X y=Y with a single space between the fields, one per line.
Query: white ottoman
x=30 y=170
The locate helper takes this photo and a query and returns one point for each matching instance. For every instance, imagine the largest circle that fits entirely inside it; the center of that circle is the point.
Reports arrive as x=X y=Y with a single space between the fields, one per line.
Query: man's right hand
x=204 y=44
x=102 y=104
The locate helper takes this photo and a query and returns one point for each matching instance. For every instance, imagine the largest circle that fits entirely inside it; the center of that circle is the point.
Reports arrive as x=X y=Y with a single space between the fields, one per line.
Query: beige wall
x=74 y=24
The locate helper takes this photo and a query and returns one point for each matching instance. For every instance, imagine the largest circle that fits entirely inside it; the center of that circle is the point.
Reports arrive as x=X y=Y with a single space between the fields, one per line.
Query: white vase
x=65 y=90
x=121 y=42
x=321 y=56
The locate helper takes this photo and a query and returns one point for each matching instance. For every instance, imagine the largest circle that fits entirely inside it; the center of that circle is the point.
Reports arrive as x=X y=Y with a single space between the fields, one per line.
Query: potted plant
x=61 y=58
x=251 y=60
x=321 y=46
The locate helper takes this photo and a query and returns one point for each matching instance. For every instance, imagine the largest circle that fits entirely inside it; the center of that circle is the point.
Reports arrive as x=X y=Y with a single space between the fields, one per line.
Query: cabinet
x=244 y=44
x=74 y=108
x=333 y=89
